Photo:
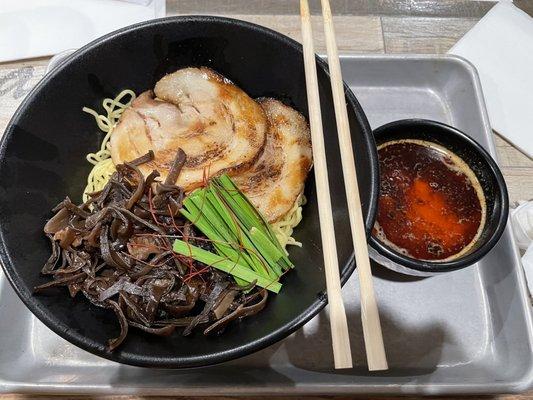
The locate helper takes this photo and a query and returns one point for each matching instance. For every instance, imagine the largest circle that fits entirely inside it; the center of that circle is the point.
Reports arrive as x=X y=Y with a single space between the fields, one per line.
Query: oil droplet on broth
x=431 y=205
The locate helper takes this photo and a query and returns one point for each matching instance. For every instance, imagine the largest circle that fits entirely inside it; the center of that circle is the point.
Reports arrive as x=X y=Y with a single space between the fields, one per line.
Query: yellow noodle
x=283 y=228
x=103 y=166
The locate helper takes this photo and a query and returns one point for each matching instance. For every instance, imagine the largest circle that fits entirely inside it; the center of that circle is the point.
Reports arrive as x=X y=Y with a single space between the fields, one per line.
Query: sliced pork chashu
x=277 y=178
x=220 y=128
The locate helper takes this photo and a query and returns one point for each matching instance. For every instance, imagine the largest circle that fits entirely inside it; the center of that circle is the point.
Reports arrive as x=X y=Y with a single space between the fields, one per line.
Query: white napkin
x=501 y=47
x=522 y=223
x=35 y=28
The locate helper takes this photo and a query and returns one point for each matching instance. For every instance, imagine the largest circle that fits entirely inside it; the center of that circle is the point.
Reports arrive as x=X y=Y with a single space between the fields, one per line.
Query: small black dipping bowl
x=489 y=177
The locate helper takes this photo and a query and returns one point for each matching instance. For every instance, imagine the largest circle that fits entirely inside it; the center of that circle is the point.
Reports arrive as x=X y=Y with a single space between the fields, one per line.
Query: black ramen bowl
x=42 y=160
x=488 y=174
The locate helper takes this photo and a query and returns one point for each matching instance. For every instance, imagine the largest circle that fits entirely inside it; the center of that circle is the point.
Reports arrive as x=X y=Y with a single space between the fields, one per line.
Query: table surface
x=362 y=26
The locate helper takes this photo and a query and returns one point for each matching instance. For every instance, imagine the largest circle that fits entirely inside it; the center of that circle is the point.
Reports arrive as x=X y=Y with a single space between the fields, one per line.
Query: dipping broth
x=431 y=205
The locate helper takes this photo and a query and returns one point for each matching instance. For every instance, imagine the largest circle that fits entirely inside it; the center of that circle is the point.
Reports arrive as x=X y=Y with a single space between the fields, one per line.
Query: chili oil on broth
x=431 y=205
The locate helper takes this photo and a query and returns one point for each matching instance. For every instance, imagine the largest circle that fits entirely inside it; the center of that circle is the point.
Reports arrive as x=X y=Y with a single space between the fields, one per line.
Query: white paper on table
x=500 y=46
x=35 y=28
x=522 y=223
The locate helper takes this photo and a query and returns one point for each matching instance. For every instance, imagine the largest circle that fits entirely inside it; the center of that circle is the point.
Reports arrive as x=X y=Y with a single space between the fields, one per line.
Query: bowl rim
x=208 y=359
x=501 y=218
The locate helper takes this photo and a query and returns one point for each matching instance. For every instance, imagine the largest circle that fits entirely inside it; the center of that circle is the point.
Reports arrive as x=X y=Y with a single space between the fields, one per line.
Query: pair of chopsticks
x=375 y=351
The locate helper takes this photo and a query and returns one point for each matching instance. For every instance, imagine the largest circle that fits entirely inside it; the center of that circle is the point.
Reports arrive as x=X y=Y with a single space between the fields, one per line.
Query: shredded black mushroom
x=116 y=250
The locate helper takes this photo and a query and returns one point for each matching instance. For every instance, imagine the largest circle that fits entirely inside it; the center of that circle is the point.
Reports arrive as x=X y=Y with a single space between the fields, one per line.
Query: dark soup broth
x=431 y=205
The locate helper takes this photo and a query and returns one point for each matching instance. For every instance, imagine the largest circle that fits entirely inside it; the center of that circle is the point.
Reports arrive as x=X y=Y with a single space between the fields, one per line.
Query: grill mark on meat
x=208 y=155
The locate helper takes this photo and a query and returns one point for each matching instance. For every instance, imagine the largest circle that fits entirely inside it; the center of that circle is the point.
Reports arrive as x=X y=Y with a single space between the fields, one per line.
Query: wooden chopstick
x=339 y=327
x=375 y=350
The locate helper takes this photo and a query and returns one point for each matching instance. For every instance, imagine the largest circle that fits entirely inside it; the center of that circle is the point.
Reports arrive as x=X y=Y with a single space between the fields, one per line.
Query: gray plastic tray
x=469 y=331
